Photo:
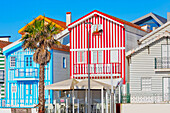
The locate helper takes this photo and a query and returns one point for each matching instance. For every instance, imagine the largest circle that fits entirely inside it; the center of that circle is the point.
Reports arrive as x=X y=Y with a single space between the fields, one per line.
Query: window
x=114 y=56
x=28 y=61
x=1 y=75
x=64 y=62
x=97 y=57
x=81 y=57
x=12 y=62
x=146 y=84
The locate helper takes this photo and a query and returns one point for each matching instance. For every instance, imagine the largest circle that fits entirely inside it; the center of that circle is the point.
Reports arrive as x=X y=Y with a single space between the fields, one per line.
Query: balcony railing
x=162 y=63
x=98 y=68
x=26 y=73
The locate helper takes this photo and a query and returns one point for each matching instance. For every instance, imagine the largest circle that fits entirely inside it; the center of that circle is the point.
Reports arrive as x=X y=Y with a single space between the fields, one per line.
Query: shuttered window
x=97 y=57
x=146 y=84
x=114 y=56
x=12 y=62
x=80 y=56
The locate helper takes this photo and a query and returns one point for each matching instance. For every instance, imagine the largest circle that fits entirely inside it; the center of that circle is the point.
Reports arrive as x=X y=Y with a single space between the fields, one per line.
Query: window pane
x=81 y=57
x=64 y=62
x=100 y=57
x=114 y=56
x=94 y=56
x=78 y=56
x=146 y=84
x=12 y=61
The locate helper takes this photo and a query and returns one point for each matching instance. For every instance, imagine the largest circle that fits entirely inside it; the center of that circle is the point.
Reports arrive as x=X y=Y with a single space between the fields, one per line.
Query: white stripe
x=77 y=35
x=114 y=35
x=80 y=34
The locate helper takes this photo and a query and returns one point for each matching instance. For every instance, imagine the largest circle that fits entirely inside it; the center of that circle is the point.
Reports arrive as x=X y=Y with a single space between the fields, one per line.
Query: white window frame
x=82 y=61
x=145 y=85
x=97 y=56
x=111 y=57
x=12 y=61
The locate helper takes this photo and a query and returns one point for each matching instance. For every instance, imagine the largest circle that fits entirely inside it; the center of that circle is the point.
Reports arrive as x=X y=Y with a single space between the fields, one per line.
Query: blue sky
x=15 y=14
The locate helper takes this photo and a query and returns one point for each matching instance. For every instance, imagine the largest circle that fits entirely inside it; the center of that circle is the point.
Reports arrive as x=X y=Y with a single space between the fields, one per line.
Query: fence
x=150 y=98
x=98 y=68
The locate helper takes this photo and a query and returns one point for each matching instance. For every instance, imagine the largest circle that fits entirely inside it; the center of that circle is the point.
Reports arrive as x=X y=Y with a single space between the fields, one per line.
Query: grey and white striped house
x=4 y=41
x=148 y=67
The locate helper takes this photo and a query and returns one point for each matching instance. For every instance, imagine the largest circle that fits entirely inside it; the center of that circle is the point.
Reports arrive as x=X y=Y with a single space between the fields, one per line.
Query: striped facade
x=22 y=78
x=2 y=74
x=111 y=39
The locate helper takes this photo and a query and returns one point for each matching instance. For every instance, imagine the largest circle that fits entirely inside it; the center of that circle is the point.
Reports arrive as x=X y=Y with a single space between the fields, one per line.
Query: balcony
x=162 y=64
x=26 y=74
x=101 y=68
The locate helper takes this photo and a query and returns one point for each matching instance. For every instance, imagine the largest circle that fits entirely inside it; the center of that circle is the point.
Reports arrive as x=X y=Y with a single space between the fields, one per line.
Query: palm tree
x=39 y=37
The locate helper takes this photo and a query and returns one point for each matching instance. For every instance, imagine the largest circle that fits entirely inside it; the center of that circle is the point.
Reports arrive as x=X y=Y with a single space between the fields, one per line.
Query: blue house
x=150 y=21
x=22 y=73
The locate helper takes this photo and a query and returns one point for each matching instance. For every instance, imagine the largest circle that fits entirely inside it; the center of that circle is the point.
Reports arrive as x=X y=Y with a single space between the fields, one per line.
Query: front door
x=28 y=93
x=166 y=89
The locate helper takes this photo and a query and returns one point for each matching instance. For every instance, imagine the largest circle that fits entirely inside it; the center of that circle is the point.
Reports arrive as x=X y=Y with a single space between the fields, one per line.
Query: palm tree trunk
x=41 y=90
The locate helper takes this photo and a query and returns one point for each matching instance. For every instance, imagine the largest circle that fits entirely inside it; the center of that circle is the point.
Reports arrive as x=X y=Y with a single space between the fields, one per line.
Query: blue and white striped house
x=22 y=73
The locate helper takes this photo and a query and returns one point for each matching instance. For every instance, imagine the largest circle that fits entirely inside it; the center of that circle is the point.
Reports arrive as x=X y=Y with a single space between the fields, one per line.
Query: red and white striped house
x=107 y=46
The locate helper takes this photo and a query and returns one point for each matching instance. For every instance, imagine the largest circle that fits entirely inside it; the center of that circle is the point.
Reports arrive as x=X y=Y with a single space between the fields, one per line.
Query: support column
x=106 y=101
x=85 y=100
x=73 y=100
x=48 y=96
x=66 y=105
x=102 y=100
x=120 y=94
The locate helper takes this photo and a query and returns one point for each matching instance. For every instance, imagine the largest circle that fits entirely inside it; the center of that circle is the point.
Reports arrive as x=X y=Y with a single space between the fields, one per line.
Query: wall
x=145 y=108
x=59 y=73
x=142 y=64
x=131 y=36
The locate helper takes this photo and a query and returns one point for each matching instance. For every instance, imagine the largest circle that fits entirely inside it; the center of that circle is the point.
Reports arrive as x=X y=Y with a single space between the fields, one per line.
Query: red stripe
x=70 y=57
x=115 y=35
x=95 y=36
x=118 y=34
x=87 y=34
x=78 y=36
x=81 y=36
x=124 y=66
x=92 y=36
x=98 y=36
x=112 y=35
x=109 y=34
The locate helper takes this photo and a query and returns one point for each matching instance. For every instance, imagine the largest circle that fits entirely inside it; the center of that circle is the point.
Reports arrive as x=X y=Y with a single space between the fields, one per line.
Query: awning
x=93 y=85
x=63 y=85
x=116 y=81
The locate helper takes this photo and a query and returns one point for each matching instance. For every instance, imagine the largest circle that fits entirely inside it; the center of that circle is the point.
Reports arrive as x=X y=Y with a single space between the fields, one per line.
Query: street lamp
x=89 y=104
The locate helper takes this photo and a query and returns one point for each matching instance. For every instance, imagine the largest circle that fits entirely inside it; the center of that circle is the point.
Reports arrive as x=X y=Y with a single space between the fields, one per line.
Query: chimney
x=168 y=16
x=68 y=18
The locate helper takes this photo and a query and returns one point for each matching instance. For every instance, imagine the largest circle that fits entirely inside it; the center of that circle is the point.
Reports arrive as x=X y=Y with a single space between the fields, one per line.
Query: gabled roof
x=112 y=18
x=4 y=43
x=157 y=18
x=157 y=37
x=58 y=23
